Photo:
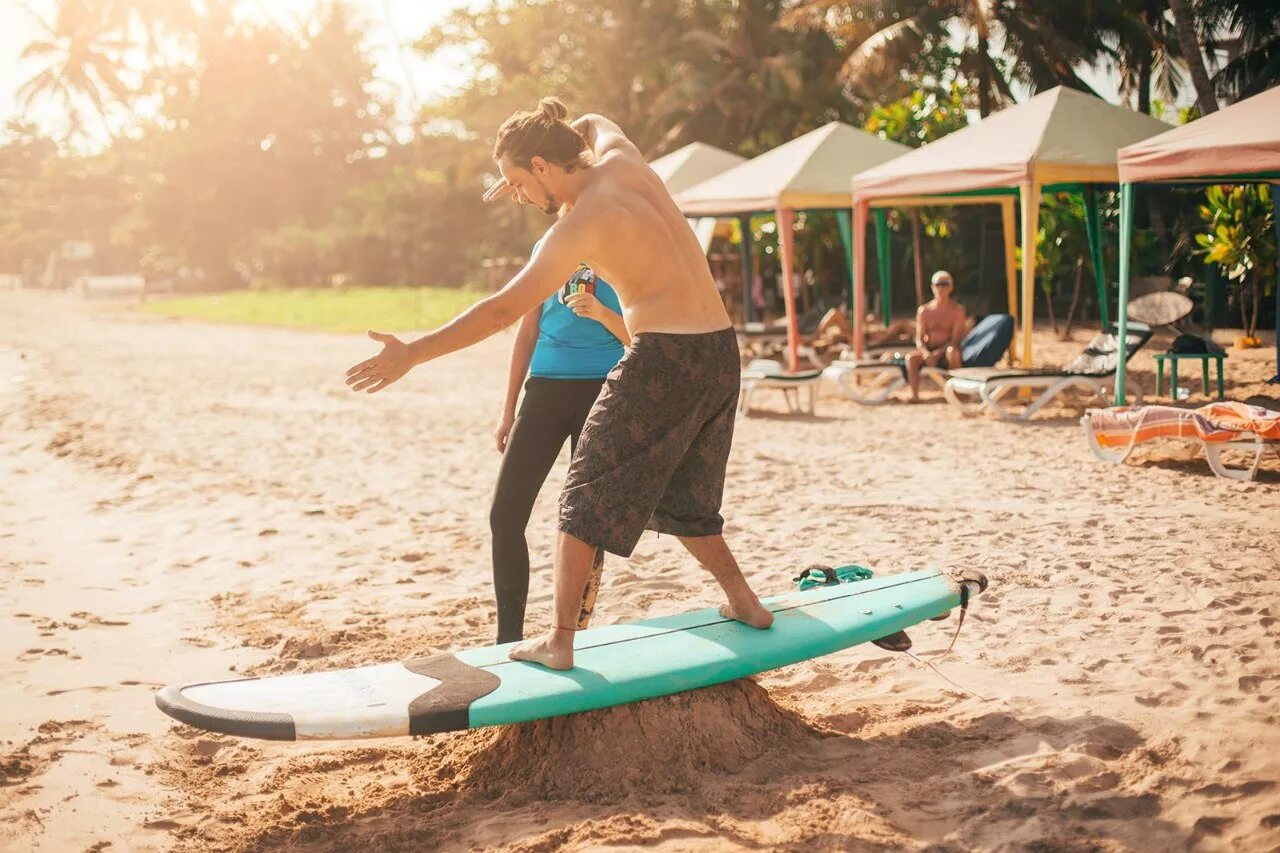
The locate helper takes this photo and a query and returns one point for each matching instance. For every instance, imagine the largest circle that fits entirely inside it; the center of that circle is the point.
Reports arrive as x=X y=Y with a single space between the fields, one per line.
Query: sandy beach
x=182 y=502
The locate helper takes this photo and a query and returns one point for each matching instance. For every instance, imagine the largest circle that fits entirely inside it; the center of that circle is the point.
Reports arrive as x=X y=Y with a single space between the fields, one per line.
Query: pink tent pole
x=786 y=240
x=860 y=209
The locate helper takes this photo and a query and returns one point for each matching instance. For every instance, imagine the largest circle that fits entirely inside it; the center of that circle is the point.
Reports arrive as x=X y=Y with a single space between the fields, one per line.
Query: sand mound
x=664 y=745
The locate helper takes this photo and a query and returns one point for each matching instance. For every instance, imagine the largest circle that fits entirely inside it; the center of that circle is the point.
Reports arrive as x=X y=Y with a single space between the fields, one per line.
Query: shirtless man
x=939 y=329
x=654 y=448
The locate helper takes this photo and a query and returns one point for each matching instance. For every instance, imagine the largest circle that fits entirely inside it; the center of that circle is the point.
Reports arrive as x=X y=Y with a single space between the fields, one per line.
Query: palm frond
x=870 y=56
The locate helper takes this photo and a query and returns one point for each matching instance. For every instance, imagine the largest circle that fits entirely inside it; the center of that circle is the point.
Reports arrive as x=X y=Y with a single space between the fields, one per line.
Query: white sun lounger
x=767 y=373
x=977 y=390
x=872 y=382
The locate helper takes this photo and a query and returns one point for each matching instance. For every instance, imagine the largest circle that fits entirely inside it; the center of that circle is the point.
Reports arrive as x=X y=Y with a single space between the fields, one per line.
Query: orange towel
x=1217 y=422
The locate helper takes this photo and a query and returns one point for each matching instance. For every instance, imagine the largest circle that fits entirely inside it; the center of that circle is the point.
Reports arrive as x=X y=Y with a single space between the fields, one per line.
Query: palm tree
x=765 y=86
x=81 y=56
x=1184 y=25
x=1252 y=44
x=1145 y=50
x=1037 y=43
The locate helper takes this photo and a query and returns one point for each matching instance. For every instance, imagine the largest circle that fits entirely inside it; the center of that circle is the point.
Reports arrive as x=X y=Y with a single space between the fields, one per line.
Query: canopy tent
x=1060 y=139
x=1240 y=144
x=811 y=172
x=694 y=163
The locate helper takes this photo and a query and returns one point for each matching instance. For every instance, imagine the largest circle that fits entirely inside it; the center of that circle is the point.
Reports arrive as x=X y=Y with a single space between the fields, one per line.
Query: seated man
x=939 y=330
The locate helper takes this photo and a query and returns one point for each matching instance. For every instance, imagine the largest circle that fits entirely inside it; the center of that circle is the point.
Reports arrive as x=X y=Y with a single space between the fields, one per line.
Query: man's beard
x=552 y=207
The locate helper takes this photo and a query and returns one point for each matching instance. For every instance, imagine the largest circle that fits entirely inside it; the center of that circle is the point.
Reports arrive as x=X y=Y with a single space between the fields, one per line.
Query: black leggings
x=552 y=410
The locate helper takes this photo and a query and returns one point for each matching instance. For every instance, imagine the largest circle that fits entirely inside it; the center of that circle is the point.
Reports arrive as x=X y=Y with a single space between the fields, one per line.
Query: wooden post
x=1030 y=192
x=786 y=218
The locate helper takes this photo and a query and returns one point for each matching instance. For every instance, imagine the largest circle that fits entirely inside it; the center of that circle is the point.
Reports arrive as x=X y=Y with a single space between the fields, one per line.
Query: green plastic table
x=1174 y=357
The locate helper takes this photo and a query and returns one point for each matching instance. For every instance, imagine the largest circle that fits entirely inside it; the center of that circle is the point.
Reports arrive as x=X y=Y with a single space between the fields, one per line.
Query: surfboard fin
x=895 y=642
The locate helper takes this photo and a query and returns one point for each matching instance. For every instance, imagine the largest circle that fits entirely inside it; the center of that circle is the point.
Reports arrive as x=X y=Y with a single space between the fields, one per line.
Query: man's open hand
x=501 y=189
x=386 y=367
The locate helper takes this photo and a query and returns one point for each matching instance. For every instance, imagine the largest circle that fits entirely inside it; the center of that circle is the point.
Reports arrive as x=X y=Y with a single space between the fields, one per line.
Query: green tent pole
x=844 y=224
x=744 y=225
x=1126 y=237
x=1213 y=290
x=1275 y=220
x=882 y=260
x=1092 y=227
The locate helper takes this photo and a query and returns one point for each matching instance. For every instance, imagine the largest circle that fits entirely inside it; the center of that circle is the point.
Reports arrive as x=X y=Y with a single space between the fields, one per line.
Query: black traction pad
x=447 y=707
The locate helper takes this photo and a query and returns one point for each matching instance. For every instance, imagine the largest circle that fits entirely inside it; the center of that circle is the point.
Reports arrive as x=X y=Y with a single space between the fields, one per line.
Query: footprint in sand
x=1211 y=826
x=1250 y=683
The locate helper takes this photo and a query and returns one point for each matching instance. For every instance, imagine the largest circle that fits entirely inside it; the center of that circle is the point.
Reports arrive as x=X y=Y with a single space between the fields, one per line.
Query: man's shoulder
x=605 y=193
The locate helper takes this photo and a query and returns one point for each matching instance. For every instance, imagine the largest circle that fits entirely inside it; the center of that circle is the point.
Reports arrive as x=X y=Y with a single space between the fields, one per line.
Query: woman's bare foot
x=756 y=615
x=554 y=650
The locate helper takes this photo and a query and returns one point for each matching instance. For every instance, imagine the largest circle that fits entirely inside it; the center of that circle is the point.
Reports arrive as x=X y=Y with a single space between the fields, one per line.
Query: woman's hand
x=503 y=432
x=585 y=304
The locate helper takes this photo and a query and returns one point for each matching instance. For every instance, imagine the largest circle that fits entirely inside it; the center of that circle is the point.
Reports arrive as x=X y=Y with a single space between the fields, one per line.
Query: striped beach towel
x=1124 y=427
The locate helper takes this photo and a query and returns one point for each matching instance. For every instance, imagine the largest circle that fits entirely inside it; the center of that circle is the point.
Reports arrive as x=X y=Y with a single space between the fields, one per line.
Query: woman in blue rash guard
x=566 y=347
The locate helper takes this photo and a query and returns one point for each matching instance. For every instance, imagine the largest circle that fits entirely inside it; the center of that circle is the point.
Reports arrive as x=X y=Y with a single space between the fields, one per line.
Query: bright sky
x=389 y=23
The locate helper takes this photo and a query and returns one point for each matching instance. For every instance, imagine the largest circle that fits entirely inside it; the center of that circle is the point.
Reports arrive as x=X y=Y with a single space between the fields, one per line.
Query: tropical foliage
x=1241 y=240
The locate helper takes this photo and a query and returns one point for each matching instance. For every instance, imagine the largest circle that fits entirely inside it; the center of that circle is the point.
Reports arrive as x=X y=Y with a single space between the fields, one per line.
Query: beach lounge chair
x=1114 y=433
x=978 y=390
x=767 y=373
x=872 y=382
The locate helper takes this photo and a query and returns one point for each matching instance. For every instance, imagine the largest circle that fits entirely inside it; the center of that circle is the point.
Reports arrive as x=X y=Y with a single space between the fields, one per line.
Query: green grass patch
x=348 y=309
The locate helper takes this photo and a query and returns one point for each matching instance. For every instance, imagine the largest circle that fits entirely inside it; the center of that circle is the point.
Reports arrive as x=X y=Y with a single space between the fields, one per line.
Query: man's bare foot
x=756 y=615
x=554 y=650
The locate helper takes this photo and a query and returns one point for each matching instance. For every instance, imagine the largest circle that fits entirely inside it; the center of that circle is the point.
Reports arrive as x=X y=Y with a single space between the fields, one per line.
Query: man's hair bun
x=553 y=108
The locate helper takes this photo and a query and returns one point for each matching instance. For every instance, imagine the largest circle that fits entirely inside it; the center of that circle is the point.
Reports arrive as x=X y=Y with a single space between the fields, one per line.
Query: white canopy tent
x=1236 y=145
x=1059 y=139
x=811 y=172
x=694 y=163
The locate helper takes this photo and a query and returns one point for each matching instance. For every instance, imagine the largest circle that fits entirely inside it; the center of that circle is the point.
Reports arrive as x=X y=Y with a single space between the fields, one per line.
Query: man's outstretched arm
x=550 y=266
x=604 y=137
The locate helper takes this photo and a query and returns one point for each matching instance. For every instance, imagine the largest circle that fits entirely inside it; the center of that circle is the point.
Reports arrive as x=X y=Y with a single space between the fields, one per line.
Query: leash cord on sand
x=940 y=674
x=964 y=608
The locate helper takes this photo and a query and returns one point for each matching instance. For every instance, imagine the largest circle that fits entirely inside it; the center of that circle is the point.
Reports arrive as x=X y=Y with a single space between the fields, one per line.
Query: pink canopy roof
x=1242 y=139
x=1057 y=136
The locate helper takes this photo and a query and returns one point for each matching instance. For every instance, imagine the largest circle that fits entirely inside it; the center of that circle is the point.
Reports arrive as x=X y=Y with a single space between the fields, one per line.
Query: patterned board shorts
x=655 y=445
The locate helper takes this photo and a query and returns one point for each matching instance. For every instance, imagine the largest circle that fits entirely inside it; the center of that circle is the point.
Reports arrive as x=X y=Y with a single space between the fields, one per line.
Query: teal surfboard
x=614 y=664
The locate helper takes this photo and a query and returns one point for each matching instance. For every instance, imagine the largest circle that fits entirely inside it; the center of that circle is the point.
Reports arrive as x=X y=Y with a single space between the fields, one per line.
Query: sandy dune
x=180 y=501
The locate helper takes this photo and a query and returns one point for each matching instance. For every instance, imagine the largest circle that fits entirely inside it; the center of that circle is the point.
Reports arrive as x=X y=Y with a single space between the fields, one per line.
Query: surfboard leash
x=964 y=608
x=941 y=675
